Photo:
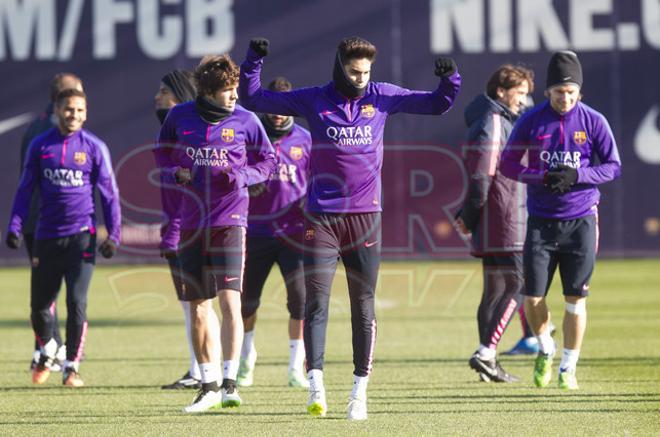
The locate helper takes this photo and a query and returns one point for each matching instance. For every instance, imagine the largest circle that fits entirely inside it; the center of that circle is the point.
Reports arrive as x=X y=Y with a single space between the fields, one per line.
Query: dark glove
x=14 y=241
x=260 y=46
x=167 y=253
x=183 y=176
x=108 y=248
x=561 y=179
x=257 y=189
x=445 y=67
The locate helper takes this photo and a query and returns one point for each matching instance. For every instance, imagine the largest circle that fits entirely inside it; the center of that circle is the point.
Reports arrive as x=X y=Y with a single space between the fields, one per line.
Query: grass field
x=421 y=384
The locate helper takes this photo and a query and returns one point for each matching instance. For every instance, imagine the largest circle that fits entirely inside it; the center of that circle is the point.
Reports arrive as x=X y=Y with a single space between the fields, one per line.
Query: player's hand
x=260 y=46
x=459 y=225
x=167 y=253
x=445 y=67
x=227 y=178
x=561 y=179
x=257 y=189
x=183 y=176
x=13 y=240
x=108 y=248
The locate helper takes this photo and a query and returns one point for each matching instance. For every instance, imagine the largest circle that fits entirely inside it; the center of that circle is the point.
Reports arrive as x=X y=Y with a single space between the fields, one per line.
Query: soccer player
x=177 y=87
x=275 y=229
x=493 y=212
x=67 y=163
x=41 y=124
x=212 y=135
x=570 y=150
x=347 y=119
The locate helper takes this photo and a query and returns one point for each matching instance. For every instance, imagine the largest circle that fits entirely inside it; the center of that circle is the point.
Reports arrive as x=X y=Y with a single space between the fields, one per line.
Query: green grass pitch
x=421 y=384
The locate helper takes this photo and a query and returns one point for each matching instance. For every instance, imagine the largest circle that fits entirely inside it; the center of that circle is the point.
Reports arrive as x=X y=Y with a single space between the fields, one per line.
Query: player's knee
x=296 y=310
x=249 y=307
x=577 y=306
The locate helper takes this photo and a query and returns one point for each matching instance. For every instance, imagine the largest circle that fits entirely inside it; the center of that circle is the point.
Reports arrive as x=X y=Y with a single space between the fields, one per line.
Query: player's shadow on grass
x=102 y=323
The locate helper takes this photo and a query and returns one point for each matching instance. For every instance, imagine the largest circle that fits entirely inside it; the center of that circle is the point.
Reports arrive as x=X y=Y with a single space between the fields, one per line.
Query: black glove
x=260 y=46
x=445 y=67
x=167 y=253
x=14 y=241
x=257 y=189
x=561 y=179
x=183 y=176
x=108 y=248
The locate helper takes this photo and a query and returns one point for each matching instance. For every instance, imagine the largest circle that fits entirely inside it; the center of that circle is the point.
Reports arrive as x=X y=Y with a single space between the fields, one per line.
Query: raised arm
x=255 y=98
x=434 y=102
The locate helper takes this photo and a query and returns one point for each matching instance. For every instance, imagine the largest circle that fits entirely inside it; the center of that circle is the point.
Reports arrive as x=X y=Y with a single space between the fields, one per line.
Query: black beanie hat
x=564 y=68
x=182 y=85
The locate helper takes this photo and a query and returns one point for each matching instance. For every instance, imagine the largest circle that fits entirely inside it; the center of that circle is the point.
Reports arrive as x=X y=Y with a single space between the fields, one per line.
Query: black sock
x=228 y=384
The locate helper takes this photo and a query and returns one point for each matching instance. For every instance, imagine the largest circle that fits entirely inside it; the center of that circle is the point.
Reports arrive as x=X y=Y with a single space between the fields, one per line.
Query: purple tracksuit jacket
x=347 y=135
x=276 y=206
x=67 y=169
x=211 y=151
x=581 y=139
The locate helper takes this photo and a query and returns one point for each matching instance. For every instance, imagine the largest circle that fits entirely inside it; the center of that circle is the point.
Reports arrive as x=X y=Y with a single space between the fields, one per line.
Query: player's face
x=514 y=98
x=277 y=120
x=563 y=98
x=358 y=72
x=226 y=97
x=165 y=98
x=71 y=114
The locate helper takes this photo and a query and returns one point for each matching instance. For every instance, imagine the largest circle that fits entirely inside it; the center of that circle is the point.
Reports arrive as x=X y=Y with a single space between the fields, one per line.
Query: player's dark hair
x=356 y=48
x=67 y=93
x=215 y=72
x=60 y=82
x=509 y=76
x=280 y=84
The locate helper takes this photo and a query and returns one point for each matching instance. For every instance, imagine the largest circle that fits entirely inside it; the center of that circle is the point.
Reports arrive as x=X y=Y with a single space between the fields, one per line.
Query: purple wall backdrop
x=121 y=49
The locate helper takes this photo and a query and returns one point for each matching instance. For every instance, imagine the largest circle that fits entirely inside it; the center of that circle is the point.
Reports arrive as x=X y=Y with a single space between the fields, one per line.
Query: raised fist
x=445 y=67
x=260 y=46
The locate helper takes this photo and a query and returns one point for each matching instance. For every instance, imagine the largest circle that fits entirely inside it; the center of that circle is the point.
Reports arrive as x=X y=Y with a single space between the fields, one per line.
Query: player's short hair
x=509 y=76
x=355 y=47
x=67 y=93
x=62 y=81
x=280 y=84
x=215 y=72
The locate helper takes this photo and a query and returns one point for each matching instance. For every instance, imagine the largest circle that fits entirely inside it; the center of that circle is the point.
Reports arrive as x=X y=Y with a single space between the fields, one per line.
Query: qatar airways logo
x=553 y=159
x=64 y=177
x=350 y=136
x=208 y=156
x=285 y=173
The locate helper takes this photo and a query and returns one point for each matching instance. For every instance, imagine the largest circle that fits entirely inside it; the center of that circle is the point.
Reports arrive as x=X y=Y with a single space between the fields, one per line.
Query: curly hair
x=280 y=84
x=215 y=72
x=509 y=76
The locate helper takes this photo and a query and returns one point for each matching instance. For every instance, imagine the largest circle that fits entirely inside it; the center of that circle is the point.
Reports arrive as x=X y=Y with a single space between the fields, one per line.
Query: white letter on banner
x=210 y=27
x=465 y=16
x=538 y=20
x=21 y=20
x=155 y=45
x=651 y=22
x=583 y=34
x=106 y=14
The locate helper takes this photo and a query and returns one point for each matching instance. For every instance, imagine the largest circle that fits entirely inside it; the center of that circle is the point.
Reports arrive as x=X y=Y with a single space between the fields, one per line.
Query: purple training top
x=216 y=155
x=347 y=135
x=581 y=139
x=67 y=169
x=276 y=206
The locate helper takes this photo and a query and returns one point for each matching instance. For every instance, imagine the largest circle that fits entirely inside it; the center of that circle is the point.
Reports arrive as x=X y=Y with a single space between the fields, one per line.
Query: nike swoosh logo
x=230 y=279
x=543 y=137
x=14 y=122
x=327 y=112
x=368 y=244
x=188 y=132
x=47 y=155
x=647 y=138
